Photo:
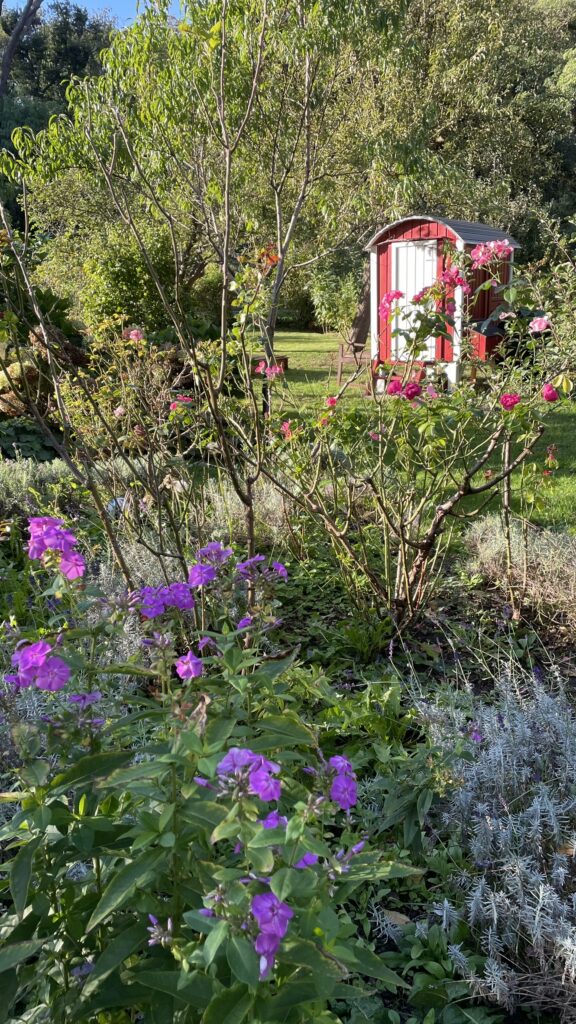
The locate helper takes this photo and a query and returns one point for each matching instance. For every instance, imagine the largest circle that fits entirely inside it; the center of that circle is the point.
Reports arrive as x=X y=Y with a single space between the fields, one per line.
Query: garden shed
x=411 y=254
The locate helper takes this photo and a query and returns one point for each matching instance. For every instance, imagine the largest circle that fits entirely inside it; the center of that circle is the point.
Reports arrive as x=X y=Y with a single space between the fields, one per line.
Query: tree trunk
x=361 y=323
x=22 y=25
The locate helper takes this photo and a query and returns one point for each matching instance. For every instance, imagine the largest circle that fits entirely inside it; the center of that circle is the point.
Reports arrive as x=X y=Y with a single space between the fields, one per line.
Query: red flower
x=508 y=401
x=549 y=393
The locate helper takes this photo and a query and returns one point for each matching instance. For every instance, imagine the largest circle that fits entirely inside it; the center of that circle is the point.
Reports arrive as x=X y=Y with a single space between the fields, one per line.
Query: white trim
x=374 y=340
x=458 y=318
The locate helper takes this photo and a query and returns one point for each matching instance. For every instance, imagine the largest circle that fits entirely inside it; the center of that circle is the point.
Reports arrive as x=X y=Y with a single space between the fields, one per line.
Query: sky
x=123 y=11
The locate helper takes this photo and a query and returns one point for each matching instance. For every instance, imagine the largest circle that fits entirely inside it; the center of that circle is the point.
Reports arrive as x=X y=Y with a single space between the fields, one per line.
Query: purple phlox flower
x=475 y=734
x=159 y=936
x=53 y=674
x=235 y=760
x=189 y=666
x=206 y=912
x=200 y=781
x=341 y=765
x=237 y=849
x=250 y=566
x=344 y=791
x=18 y=681
x=159 y=640
x=72 y=565
x=262 y=784
x=35 y=665
x=280 y=570
x=95 y=722
x=271 y=913
x=357 y=848
x=307 y=861
x=177 y=595
x=82 y=970
x=151 y=602
x=199 y=575
x=266 y=945
x=48 y=534
x=206 y=641
x=245 y=622
x=85 y=699
x=214 y=553
x=273 y=820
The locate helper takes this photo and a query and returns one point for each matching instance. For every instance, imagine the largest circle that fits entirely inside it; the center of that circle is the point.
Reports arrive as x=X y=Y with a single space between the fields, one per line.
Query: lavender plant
x=513 y=812
x=188 y=853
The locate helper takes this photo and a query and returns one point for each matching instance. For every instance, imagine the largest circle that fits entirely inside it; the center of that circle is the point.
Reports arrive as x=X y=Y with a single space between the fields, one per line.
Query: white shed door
x=414 y=267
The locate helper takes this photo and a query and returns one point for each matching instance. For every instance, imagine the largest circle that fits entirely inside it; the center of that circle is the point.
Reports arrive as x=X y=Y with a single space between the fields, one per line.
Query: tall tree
x=24 y=20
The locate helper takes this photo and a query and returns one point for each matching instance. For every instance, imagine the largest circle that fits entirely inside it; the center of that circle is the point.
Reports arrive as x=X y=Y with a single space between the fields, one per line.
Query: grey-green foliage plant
x=513 y=812
x=134 y=856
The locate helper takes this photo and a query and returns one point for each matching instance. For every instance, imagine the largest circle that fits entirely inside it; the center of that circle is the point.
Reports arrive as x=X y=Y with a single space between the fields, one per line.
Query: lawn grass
x=312 y=378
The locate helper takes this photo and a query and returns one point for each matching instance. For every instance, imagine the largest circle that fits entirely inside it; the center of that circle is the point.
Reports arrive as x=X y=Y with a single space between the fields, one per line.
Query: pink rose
x=412 y=390
x=331 y=402
x=136 y=335
x=286 y=429
x=394 y=387
x=549 y=393
x=539 y=323
x=261 y=368
x=508 y=401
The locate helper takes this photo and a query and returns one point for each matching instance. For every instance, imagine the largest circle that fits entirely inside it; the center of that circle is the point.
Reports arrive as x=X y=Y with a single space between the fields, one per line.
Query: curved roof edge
x=469 y=232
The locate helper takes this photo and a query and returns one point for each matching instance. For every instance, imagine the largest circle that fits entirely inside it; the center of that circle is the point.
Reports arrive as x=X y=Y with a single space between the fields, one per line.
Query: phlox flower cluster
x=50 y=536
x=247 y=774
x=482 y=254
x=340 y=780
x=253 y=568
x=387 y=301
x=272 y=917
x=37 y=665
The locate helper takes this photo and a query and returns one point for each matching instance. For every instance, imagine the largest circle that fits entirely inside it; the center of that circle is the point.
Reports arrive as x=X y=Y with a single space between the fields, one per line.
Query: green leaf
x=367 y=962
x=282 y=730
x=116 y=952
x=194 y=989
x=123 y=884
x=12 y=955
x=229 y=1007
x=21 y=872
x=243 y=960
x=214 y=940
x=95 y=766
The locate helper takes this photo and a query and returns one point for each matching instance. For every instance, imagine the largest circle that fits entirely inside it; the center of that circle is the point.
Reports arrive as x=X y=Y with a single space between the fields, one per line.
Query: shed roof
x=469 y=232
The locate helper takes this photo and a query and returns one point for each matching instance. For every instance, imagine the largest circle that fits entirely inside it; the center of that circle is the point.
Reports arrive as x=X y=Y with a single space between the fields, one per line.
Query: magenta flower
x=286 y=429
x=72 y=565
x=189 y=666
x=412 y=390
x=199 y=575
x=206 y=641
x=509 y=400
x=388 y=299
x=151 y=600
x=549 y=393
x=394 y=387
x=420 y=295
x=273 y=371
x=53 y=675
x=488 y=251
x=271 y=914
x=344 y=791
x=30 y=659
x=332 y=401
x=341 y=764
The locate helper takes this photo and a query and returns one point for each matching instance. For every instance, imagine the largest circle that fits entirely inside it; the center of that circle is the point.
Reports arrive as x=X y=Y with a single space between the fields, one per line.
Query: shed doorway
x=414 y=267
